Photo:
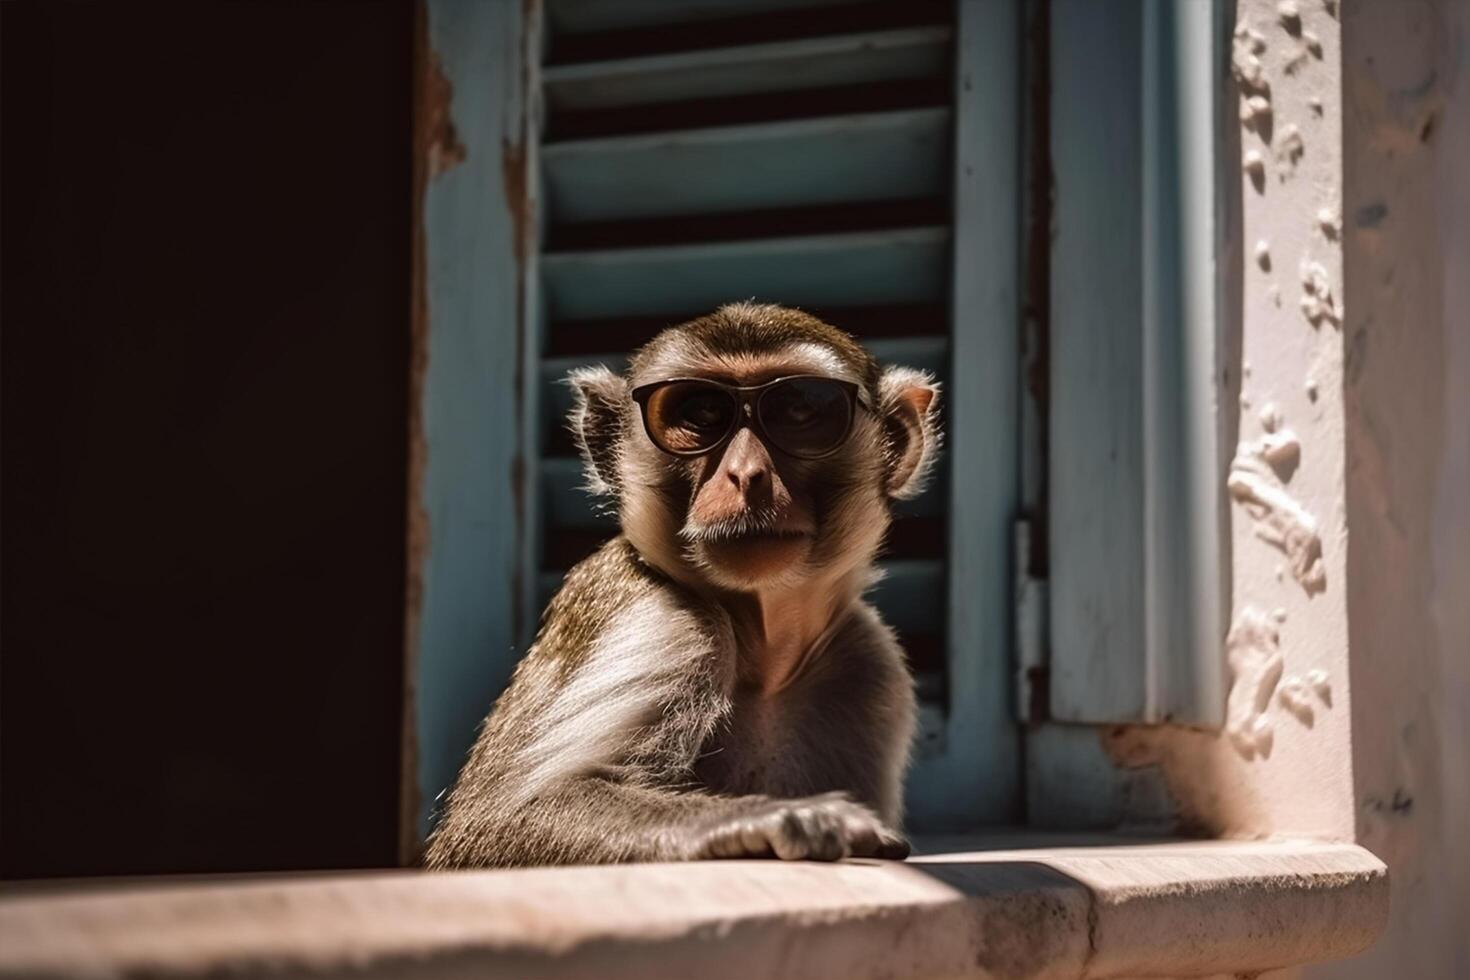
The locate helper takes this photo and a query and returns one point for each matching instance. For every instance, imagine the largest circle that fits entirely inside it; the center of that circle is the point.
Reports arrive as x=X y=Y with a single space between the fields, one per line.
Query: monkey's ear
x=908 y=403
x=597 y=423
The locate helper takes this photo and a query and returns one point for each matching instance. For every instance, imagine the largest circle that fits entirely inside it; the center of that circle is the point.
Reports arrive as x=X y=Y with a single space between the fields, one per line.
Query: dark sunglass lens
x=689 y=416
x=806 y=416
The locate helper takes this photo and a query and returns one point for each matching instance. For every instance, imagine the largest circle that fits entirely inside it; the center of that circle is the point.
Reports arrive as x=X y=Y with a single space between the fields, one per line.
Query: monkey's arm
x=600 y=821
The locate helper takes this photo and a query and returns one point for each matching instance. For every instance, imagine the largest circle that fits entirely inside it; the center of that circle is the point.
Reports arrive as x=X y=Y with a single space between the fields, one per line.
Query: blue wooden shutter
x=857 y=162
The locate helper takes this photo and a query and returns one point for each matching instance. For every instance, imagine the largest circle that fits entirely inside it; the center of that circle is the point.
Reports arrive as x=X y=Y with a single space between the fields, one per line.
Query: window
x=863 y=161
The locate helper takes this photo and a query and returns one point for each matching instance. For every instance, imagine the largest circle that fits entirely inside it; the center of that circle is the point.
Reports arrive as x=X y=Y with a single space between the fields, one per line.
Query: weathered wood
x=829 y=160
x=1096 y=455
x=823 y=270
x=587 y=16
x=469 y=493
x=975 y=777
x=1136 y=504
x=781 y=66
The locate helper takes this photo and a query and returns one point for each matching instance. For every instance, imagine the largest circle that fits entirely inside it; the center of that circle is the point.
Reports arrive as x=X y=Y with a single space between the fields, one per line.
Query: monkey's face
x=730 y=472
x=752 y=513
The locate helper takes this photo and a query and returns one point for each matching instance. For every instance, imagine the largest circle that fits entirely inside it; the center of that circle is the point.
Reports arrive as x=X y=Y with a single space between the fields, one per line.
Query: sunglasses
x=805 y=416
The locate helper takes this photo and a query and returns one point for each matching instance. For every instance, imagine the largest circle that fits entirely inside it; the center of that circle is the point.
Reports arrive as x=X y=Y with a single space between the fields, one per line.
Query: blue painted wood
x=906 y=266
x=565 y=500
x=465 y=630
x=970 y=774
x=1137 y=510
x=911 y=596
x=831 y=160
x=782 y=66
x=611 y=15
x=1097 y=449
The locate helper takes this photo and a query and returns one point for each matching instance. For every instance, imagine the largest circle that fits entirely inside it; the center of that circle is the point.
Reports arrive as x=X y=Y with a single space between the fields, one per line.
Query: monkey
x=711 y=683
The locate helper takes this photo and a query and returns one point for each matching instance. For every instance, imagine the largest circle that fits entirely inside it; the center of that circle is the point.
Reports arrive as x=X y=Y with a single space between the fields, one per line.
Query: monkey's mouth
x=746 y=530
x=750 y=549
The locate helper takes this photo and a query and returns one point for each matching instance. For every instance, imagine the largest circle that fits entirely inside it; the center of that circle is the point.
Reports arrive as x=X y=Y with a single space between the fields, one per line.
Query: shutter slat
x=911 y=596
x=836 y=159
x=589 y=16
x=907 y=266
x=782 y=66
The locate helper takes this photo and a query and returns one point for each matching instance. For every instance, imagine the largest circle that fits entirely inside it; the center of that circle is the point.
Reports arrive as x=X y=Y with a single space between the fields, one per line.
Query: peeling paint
x=440 y=144
x=1257 y=482
x=1254 y=654
x=1329 y=224
x=1255 y=114
x=1319 y=681
x=1277 y=446
x=1270 y=417
x=1289 y=149
x=1255 y=169
x=1293 y=696
x=515 y=180
x=1245 y=63
x=1317 y=302
x=1289 y=16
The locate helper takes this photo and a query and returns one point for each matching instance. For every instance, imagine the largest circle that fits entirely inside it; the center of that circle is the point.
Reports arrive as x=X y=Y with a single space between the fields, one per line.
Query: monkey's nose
x=746 y=480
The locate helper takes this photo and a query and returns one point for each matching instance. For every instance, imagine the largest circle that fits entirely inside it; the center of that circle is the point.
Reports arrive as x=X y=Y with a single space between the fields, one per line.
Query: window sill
x=1119 y=909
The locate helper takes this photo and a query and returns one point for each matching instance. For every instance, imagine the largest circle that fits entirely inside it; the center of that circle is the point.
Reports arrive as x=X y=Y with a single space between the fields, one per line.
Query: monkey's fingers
x=808 y=833
x=893 y=848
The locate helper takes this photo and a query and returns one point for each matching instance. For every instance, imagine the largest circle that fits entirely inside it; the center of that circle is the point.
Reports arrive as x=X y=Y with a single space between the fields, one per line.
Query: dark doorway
x=206 y=230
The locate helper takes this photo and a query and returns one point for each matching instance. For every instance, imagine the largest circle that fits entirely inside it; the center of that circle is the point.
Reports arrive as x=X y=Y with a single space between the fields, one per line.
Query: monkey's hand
x=815 y=828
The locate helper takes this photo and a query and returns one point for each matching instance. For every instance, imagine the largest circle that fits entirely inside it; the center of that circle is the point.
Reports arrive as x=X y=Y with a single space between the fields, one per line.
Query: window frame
x=475 y=586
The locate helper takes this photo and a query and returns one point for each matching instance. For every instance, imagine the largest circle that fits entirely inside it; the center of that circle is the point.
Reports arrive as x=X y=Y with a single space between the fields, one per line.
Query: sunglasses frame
x=747 y=411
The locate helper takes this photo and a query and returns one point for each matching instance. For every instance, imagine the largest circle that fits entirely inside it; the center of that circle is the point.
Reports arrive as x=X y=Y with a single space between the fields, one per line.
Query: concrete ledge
x=1172 y=909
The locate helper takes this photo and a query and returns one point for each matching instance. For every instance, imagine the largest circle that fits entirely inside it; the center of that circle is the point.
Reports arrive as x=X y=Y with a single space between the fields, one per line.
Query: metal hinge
x=1031 y=678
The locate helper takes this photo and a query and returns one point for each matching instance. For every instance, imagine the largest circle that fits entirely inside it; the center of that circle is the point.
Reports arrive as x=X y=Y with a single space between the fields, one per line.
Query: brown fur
x=680 y=702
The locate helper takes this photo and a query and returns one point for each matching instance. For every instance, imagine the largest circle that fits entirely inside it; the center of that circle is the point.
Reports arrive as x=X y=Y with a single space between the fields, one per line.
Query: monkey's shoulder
x=609 y=587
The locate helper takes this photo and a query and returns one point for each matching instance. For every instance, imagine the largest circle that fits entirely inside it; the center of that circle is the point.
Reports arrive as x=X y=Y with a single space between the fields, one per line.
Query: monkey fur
x=710 y=683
